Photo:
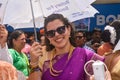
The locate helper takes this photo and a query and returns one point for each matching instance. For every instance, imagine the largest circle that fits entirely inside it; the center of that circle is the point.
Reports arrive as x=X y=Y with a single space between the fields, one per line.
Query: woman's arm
x=4 y=53
x=36 y=75
x=35 y=53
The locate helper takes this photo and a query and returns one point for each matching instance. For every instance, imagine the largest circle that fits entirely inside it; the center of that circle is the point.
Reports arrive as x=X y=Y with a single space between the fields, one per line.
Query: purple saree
x=73 y=69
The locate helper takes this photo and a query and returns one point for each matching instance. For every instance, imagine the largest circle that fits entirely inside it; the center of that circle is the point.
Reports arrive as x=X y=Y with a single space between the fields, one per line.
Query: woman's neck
x=63 y=50
x=17 y=49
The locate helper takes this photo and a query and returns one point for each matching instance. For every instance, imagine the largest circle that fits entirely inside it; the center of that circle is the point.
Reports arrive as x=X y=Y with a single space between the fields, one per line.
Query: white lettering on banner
x=50 y=8
x=119 y=17
x=77 y=14
x=60 y=10
x=62 y=4
x=109 y=17
x=101 y=19
x=59 y=7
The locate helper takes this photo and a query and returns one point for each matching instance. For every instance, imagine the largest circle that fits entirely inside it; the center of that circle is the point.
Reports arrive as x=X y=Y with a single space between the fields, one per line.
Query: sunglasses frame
x=59 y=30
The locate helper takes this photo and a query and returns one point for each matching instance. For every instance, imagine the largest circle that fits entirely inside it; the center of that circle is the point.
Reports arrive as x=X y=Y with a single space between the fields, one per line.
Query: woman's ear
x=13 y=40
x=69 y=30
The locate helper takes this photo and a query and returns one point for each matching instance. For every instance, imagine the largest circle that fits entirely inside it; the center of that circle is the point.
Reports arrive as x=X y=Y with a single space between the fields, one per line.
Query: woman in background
x=16 y=43
x=112 y=60
x=107 y=46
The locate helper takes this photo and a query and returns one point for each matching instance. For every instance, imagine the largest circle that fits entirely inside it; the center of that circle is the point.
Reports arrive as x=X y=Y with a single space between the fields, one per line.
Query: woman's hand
x=92 y=77
x=108 y=76
x=3 y=35
x=35 y=53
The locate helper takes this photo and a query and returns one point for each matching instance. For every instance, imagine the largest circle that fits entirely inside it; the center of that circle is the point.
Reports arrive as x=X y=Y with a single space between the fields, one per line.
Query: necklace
x=54 y=72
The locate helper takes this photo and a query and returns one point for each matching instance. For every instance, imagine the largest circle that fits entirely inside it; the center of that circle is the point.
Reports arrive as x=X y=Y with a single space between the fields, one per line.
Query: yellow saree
x=113 y=63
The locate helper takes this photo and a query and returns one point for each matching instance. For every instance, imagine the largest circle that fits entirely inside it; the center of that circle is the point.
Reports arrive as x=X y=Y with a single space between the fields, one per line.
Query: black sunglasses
x=59 y=30
x=78 y=37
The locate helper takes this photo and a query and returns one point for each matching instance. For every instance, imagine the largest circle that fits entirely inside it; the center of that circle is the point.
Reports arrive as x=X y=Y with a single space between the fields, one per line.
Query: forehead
x=22 y=36
x=54 y=24
x=97 y=33
x=79 y=34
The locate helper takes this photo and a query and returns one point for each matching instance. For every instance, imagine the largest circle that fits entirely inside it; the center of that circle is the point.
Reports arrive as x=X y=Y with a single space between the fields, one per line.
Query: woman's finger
x=107 y=75
x=92 y=77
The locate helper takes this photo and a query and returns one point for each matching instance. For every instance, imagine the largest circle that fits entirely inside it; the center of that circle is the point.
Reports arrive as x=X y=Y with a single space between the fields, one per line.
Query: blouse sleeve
x=5 y=55
x=93 y=56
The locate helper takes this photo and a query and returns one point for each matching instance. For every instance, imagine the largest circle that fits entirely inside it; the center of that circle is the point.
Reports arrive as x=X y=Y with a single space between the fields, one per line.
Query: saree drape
x=72 y=69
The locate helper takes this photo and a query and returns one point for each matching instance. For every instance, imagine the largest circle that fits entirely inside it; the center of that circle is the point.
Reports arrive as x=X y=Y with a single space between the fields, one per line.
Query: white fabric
x=3 y=4
x=22 y=15
x=72 y=9
x=113 y=33
x=5 y=55
x=21 y=76
x=117 y=47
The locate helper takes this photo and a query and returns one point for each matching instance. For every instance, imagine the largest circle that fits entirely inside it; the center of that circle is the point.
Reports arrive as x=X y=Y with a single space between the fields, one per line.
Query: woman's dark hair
x=105 y=36
x=14 y=35
x=116 y=25
x=65 y=21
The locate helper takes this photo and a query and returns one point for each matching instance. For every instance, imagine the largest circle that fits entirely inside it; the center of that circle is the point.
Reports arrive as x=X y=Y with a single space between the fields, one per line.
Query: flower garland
x=112 y=32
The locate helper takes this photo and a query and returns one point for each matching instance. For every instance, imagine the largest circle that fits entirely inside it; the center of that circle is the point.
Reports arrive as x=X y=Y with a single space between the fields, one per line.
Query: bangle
x=37 y=68
x=33 y=65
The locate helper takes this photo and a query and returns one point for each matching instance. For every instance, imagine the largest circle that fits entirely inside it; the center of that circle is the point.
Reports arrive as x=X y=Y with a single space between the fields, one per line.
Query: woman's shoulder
x=13 y=51
x=84 y=50
x=104 y=49
x=91 y=55
x=112 y=55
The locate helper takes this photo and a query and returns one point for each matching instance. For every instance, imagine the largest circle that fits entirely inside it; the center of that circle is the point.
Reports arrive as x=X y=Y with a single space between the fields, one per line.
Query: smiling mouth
x=59 y=39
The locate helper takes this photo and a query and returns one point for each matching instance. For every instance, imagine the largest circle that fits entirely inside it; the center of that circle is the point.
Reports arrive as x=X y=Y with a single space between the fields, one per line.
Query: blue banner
x=107 y=13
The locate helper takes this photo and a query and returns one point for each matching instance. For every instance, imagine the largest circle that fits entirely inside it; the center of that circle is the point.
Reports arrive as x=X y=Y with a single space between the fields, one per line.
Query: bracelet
x=37 y=68
x=33 y=65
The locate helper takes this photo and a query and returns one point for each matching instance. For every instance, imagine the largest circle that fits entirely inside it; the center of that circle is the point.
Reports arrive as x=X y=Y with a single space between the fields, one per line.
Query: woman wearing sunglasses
x=65 y=62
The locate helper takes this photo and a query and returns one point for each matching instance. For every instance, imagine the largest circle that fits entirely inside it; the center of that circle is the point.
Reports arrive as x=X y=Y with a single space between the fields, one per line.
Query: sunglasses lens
x=61 y=30
x=50 y=33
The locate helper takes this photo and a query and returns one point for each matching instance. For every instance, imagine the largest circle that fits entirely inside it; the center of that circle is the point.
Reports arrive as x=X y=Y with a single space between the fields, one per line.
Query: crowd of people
x=61 y=52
